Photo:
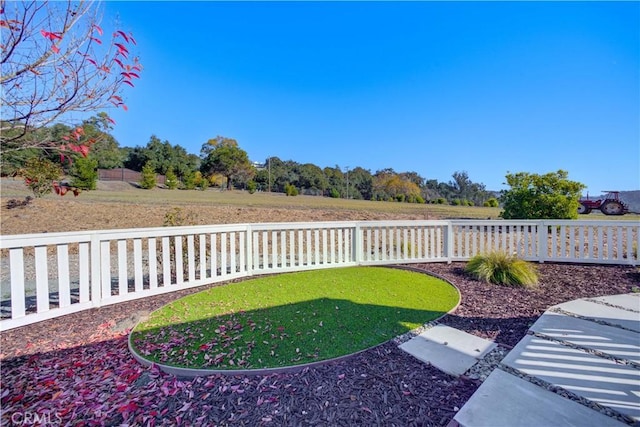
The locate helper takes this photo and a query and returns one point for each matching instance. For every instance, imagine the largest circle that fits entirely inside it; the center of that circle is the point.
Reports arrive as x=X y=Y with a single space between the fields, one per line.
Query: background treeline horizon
x=223 y=163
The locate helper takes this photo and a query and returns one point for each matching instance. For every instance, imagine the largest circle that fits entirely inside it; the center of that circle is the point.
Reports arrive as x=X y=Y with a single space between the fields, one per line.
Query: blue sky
x=430 y=87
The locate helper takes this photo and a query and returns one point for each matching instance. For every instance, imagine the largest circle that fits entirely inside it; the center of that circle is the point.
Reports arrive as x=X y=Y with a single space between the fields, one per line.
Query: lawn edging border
x=193 y=372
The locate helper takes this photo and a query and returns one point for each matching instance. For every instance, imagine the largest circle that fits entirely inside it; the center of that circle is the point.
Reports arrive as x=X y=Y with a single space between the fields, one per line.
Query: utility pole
x=347 y=167
x=269 y=171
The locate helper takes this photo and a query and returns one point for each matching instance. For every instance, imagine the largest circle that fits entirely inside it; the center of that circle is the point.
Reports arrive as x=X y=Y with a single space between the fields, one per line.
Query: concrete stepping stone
x=448 y=349
x=504 y=400
x=592 y=310
x=595 y=378
x=615 y=342
x=629 y=301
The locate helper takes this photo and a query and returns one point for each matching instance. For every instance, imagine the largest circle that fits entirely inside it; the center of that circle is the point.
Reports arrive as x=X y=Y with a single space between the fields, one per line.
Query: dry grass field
x=117 y=205
x=120 y=205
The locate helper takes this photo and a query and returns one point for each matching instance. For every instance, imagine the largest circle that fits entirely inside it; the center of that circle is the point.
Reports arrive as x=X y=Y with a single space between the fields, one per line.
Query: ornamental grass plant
x=502 y=269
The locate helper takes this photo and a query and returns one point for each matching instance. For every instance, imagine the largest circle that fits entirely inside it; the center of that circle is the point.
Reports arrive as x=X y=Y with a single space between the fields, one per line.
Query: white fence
x=48 y=275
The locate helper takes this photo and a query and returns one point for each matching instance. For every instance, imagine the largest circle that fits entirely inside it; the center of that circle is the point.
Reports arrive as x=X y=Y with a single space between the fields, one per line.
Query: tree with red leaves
x=56 y=64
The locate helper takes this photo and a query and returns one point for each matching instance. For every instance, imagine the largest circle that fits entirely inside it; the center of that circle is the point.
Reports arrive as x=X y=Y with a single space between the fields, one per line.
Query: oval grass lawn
x=291 y=319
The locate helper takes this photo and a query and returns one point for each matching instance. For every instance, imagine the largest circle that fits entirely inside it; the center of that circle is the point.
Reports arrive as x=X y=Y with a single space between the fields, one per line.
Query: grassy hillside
x=119 y=192
x=120 y=205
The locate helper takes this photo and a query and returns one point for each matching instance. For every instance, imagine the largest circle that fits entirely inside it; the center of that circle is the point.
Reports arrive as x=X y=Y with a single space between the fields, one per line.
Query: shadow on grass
x=279 y=336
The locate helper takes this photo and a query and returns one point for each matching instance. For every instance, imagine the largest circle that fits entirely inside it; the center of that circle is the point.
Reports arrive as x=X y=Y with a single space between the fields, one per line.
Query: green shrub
x=533 y=196
x=400 y=198
x=290 y=190
x=84 y=173
x=189 y=180
x=334 y=193
x=502 y=269
x=252 y=186
x=171 y=180
x=456 y=202
x=441 y=201
x=148 y=180
x=491 y=203
x=201 y=182
x=39 y=175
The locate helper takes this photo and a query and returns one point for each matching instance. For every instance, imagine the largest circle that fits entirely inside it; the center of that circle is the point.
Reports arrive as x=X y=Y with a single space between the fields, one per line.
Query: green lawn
x=292 y=319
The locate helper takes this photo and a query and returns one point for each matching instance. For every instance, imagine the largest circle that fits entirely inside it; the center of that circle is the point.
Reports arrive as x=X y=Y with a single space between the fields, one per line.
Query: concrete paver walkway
x=588 y=349
x=448 y=349
x=506 y=400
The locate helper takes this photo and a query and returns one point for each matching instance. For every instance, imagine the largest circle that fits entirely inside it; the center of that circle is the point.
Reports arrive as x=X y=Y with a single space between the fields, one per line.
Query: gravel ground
x=77 y=368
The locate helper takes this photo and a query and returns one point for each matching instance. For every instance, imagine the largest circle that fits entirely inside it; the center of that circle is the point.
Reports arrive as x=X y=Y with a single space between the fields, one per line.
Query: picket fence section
x=48 y=275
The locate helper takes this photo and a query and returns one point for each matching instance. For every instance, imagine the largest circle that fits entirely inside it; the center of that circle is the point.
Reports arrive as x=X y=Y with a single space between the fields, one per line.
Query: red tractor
x=609 y=205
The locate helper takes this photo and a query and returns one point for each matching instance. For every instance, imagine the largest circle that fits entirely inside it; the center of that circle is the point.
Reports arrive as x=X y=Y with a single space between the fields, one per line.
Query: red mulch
x=77 y=370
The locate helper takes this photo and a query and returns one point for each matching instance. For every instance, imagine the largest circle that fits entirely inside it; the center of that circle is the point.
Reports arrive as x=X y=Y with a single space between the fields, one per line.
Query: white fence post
x=543 y=241
x=357 y=243
x=248 y=259
x=17 y=283
x=448 y=242
x=96 y=278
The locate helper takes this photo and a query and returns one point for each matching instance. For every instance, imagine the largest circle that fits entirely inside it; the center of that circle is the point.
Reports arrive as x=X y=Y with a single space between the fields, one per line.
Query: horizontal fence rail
x=44 y=276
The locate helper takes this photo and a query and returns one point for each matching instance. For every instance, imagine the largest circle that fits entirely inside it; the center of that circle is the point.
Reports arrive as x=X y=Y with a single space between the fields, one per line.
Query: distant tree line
x=359 y=183
x=224 y=164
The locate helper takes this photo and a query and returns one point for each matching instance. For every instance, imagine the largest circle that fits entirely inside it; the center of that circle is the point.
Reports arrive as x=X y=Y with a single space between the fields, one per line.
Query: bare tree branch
x=53 y=64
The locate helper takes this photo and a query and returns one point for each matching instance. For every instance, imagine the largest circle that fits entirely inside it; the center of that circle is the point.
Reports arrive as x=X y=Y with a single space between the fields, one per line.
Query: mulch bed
x=77 y=370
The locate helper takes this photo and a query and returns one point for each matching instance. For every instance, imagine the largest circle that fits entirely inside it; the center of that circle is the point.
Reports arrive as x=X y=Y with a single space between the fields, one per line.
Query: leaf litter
x=78 y=367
